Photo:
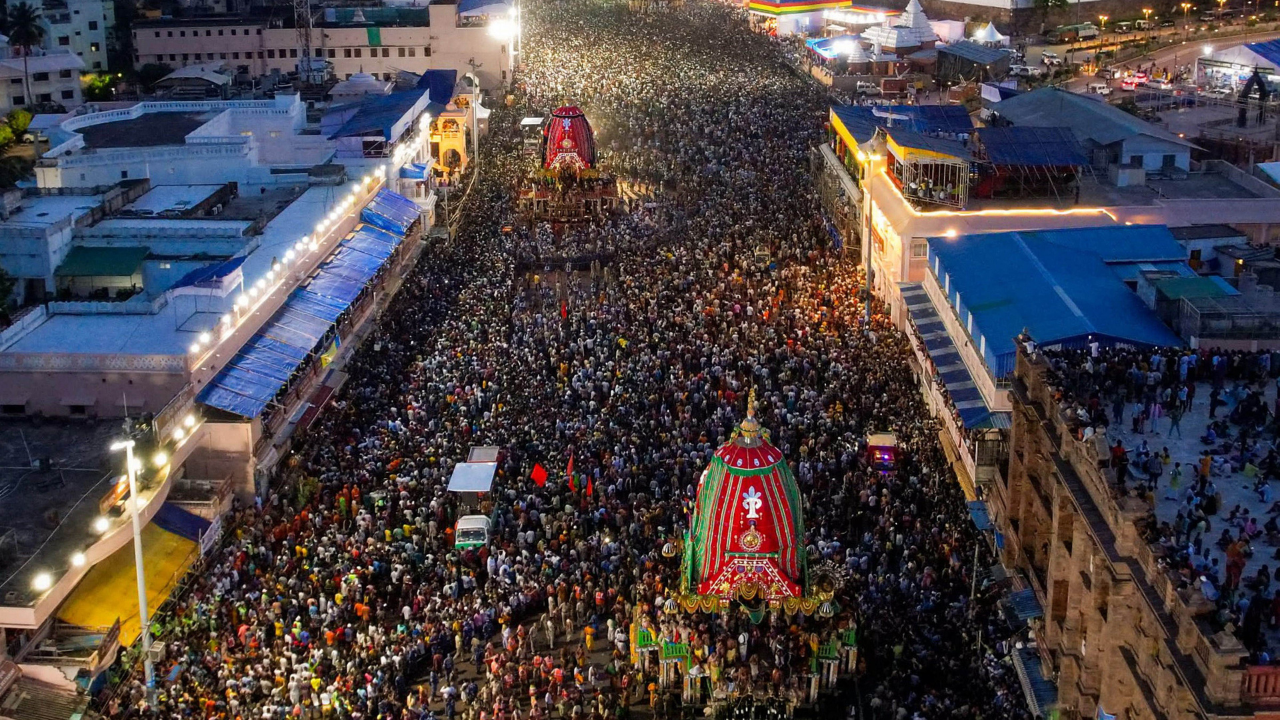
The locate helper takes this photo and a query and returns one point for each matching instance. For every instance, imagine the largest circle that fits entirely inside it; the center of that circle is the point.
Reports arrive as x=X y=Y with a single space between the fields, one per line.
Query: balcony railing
x=1261 y=685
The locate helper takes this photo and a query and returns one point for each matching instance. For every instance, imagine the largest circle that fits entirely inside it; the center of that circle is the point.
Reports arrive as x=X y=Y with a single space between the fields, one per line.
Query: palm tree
x=26 y=32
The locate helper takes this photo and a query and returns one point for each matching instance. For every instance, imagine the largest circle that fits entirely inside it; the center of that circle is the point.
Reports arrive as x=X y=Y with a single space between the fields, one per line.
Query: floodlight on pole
x=131 y=471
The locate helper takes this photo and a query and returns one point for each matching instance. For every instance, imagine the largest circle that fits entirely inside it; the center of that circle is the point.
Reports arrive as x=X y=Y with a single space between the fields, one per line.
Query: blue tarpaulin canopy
x=266 y=364
x=414 y=171
x=391 y=212
x=1065 y=287
x=210 y=274
x=1025 y=146
x=978 y=512
x=950 y=367
x=439 y=85
x=1025 y=605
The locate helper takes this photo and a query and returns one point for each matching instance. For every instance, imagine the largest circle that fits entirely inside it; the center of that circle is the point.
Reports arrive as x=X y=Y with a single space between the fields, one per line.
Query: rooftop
x=1064 y=286
x=172 y=330
x=45 y=210
x=149 y=130
x=170 y=199
x=1092 y=120
x=50 y=511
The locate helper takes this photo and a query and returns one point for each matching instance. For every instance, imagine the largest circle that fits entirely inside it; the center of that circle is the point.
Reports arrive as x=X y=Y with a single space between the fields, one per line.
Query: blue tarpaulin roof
x=378 y=113
x=972 y=51
x=862 y=120
x=268 y=361
x=391 y=212
x=1042 y=694
x=210 y=274
x=1025 y=605
x=1032 y=146
x=1063 y=286
x=439 y=85
x=180 y=522
x=951 y=369
x=978 y=512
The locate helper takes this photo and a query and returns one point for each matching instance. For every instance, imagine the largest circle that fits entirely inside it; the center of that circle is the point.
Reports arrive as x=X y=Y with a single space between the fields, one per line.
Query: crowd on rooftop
x=1148 y=395
x=340 y=594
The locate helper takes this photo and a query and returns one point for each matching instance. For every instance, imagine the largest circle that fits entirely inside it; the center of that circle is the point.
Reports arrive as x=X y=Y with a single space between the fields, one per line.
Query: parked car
x=1159 y=84
x=1106 y=74
x=867 y=88
x=1099 y=88
x=1167 y=23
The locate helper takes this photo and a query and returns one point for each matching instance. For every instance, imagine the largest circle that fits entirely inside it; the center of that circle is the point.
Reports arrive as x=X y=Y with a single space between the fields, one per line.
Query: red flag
x=539 y=474
x=569 y=470
x=590 y=487
x=564 y=309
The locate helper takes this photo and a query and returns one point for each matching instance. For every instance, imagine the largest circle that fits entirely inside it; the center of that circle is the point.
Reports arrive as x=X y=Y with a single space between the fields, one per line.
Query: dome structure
x=746 y=536
x=568 y=141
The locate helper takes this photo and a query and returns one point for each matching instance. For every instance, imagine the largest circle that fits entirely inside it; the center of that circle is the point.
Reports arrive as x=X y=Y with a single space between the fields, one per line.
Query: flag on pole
x=539 y=474
x=569 y=469
x=590 y=487
x=564 y=309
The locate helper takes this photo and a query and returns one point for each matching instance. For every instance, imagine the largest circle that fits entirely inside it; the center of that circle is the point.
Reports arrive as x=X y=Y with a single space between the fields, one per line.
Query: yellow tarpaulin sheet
x=110 y=589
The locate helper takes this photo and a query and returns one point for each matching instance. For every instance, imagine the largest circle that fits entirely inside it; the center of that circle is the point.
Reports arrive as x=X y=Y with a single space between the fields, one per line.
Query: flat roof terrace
x=149 y=130
x=49 y=513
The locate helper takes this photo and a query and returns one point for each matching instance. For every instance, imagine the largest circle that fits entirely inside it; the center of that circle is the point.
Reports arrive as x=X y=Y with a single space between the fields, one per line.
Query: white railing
x=63 y=362
x=22 y=325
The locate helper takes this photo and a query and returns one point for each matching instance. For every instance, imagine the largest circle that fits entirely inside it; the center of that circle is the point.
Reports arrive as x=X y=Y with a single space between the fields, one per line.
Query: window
x=1170 y=161
x=68 y=94
x=172 y=57
x=19 y=100
x=44 y=97
x=165 y=265
x=346 y=52
x=235 y=56
x=93 y=24
x=219 y=33
x=426 y=51
x=246 y=32
x=271 y=53
x=16 y=81
x=170 y=34
x=413 y=52
x=333 y=53
x=358 y=51
x=157 y=33
x=185 y=57
x=233 y=31
x=293 y=52
x=182 y=33
x=97 y=64
x=93 y=47
x=918 y=249
x=64 y=74
x=251 y=54
x=207 y=33
x=319 y=52
x=386 y=52
x=40 y=77
x=124 y=174
x=64 y=40
x=401 y=52
x=223 y=56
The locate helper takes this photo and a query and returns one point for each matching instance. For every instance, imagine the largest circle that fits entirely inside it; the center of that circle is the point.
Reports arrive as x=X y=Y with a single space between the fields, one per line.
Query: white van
x=1099 y=88
x=472 y=531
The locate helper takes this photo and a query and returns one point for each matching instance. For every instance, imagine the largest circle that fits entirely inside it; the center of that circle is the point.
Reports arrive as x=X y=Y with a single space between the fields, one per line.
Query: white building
x=81 y=27
x=256 y=143
x=377 y=41
x=54 y=77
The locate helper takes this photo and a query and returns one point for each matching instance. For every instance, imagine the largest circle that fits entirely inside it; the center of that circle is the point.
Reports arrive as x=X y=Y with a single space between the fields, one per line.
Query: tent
x=989 y=35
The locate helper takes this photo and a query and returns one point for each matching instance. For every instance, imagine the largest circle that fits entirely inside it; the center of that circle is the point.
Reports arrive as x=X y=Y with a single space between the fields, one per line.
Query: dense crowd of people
x=1136 y=402
x=341 y=594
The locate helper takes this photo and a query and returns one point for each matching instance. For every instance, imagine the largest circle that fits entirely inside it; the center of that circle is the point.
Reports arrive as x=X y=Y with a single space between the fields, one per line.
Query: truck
x=1072 y=33
x=472 y=483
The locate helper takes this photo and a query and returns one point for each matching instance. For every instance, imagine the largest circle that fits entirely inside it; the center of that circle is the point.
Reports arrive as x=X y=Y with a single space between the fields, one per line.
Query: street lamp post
x=1146 y=17
x=1186 y=23
x=131 y=471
